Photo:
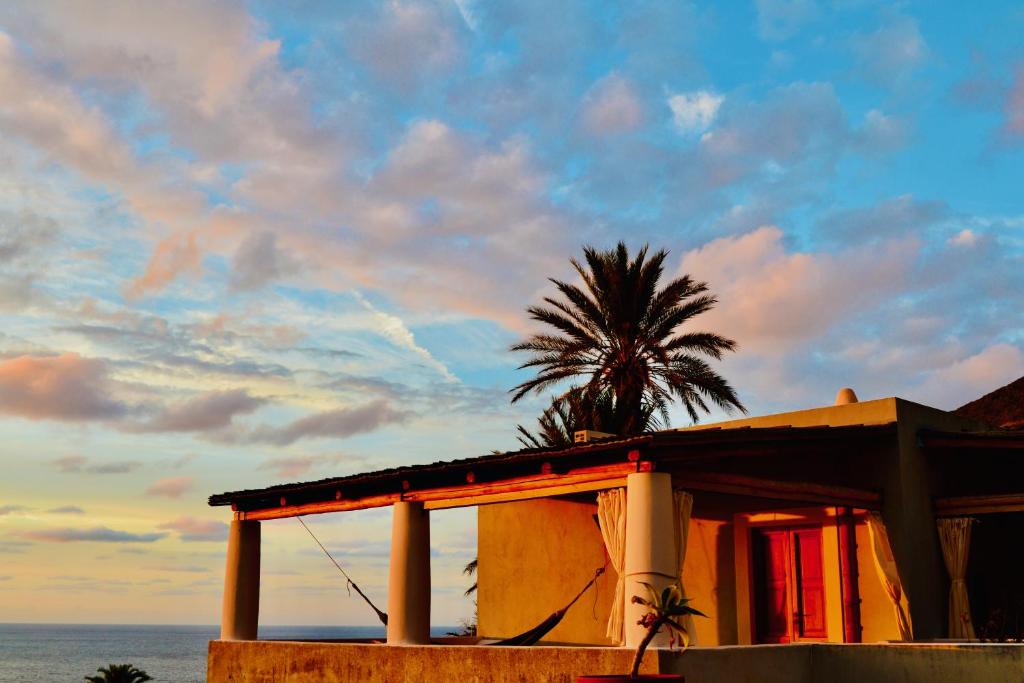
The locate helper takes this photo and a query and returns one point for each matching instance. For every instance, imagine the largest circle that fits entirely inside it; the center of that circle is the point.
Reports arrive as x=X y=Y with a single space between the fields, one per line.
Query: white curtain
x=682 y=503
x=611 y=517
x=955 y=535
x=888 y=574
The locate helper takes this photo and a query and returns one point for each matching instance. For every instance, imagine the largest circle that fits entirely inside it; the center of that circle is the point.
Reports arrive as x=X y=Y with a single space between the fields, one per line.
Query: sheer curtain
x=955 y=535
x=611 y=517
x=682 y=503
x=885 y=564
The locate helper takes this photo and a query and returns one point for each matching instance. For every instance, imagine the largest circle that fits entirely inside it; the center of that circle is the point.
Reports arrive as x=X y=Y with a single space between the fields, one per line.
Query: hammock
x=526 y=638
x=543 y=628
x=380 y=615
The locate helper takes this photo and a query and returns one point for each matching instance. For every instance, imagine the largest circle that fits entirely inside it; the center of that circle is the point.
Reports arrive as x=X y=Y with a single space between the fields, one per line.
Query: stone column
x=409 y=577
x=241 y=611
x=650 y=547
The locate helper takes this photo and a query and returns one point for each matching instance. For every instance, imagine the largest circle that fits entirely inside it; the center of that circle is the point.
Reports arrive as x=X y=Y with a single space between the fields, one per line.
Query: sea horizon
x=169 y=653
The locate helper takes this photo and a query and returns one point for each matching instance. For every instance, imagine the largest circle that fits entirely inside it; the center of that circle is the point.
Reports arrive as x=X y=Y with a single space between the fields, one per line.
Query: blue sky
x=248 y=243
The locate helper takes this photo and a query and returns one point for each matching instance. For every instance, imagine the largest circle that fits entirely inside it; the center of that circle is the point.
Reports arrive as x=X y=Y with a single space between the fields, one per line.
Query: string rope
x=351 y=584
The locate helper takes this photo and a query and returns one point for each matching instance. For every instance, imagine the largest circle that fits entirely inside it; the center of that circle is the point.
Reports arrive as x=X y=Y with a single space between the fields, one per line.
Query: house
x=858 y=522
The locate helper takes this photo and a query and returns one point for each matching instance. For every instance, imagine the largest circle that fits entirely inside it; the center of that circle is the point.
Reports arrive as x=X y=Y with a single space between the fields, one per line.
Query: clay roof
x=656 y=446
x=1003 y=407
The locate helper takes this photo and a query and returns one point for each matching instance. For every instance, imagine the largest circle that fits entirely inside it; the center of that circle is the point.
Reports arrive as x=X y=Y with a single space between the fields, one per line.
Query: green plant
x=119 y=673
x=665 y=608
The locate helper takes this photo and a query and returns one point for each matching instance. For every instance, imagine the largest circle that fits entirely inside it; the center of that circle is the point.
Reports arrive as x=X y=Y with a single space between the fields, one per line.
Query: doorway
x=789 y=584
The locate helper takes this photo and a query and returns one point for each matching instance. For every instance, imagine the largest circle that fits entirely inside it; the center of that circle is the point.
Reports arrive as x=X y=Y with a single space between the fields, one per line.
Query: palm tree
x=620 y=333
x=575 y=410
x=119 y=673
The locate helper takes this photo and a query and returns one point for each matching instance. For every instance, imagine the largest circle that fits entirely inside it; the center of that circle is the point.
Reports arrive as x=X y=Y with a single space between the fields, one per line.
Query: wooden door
x=809 y=576
x=789 y=585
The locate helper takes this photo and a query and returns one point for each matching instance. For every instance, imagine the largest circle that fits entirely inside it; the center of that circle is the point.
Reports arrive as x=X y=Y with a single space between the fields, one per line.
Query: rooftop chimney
x=845 y=397
x=588 y=435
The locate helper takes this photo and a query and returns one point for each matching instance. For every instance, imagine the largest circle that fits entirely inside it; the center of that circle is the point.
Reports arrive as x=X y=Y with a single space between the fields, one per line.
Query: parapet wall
x=291 y=662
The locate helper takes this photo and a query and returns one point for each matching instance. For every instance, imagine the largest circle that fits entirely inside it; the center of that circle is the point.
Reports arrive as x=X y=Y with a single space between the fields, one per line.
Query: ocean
x=62 y=653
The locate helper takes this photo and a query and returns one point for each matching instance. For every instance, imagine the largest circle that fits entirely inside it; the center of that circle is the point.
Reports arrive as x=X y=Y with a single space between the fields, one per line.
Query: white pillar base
x=409 y=576
x=241 y=610
x=650 y=548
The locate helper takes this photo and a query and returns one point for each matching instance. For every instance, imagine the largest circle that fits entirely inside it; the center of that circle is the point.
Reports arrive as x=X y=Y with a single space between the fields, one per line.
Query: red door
x=771 y=586
x=789 y=585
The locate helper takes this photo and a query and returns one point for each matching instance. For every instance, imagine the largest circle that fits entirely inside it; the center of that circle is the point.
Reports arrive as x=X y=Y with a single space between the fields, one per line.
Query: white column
x=409 y=578
x=241 y=612
x=650 y=547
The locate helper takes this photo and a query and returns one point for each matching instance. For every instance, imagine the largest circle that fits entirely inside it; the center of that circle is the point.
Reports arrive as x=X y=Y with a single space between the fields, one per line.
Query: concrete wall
x=288 y=662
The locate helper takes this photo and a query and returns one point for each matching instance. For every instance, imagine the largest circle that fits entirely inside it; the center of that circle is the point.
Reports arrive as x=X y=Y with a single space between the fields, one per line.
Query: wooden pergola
x=773 y=465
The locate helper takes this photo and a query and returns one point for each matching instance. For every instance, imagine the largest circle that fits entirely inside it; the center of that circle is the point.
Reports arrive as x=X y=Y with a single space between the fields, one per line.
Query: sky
x=246 y=244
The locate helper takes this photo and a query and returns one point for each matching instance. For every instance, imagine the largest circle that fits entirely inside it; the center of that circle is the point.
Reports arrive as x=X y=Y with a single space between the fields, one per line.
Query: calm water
x=170 y=654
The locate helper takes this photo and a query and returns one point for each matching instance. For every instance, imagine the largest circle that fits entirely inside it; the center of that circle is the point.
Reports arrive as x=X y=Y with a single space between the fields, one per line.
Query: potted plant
x=664 y=609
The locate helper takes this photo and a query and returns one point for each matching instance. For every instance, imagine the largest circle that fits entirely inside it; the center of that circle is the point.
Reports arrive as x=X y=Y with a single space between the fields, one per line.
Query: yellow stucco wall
x=709 y=581
x=534 y=557
x=878 y=411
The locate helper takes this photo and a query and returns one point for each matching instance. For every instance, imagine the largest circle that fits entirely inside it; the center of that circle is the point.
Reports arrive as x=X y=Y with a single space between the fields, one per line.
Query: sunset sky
x=248 y=244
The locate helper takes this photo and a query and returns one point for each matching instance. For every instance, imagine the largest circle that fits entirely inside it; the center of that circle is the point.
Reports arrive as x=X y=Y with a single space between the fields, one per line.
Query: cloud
x=340 y=423
x=66 y=510
x=294 y=466
x=10 y=509
x=408 y=41
x=770 y=297
x=208 y=411
x=66 y=387
x=259 y=261
x=880 y=133
x=964 y=238
x=171 y=487
x=77 y=463
x=694 y=112
x=969 y=378
x=612 y=106
x=1014 y=106
x=192 y=529
x=22 y=234
x=892 y=53
x=900 y=216
x=782 y=19
x=99 y=534
x=174 y=256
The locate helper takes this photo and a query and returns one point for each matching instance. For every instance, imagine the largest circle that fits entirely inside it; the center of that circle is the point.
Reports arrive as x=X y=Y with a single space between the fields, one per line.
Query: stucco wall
x=709 y=580
x=534 y=557
x=285 y=662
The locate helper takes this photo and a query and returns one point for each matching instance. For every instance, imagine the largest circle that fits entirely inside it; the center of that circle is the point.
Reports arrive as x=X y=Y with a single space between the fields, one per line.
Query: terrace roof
x=589 y=466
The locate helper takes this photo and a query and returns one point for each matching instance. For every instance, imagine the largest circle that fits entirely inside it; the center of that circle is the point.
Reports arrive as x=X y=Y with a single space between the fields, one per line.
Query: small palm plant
x=665 y=610
x=119 y=673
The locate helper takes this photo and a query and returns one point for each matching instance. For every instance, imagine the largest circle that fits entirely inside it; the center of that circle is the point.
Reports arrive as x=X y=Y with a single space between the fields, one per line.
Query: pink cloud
x=1015 y=105
x=612 y=106
x=172 y=257
x=208 y=411
x=971 y=377
x=171 y=487
x=193 y=529
x=66 y=387
x=771 y=297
